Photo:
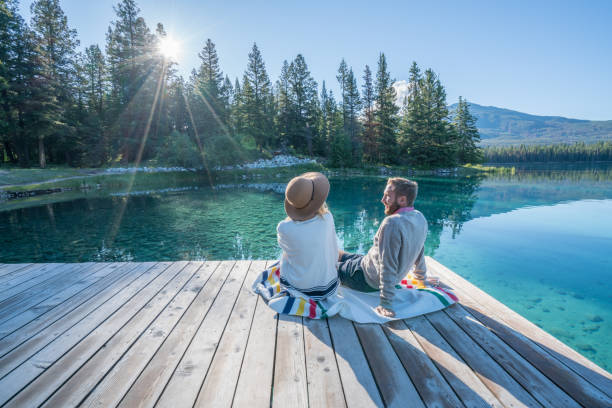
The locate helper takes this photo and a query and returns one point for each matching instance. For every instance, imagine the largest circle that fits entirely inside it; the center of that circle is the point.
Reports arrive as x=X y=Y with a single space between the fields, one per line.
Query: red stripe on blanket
x=450 y=295
x=313 y=309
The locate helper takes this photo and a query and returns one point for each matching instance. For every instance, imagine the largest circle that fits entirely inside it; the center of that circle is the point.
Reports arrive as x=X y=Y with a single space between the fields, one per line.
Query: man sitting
x=398 y=244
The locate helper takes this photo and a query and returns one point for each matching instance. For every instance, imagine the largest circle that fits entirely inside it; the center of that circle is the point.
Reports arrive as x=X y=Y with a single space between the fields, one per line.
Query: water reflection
x=355 y=202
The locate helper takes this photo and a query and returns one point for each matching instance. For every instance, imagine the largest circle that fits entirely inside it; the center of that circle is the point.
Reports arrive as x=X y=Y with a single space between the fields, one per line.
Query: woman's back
x=310 y=253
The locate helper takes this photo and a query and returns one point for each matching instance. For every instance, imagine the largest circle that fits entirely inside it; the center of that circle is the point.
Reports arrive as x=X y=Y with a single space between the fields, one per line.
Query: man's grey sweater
x=398 y=244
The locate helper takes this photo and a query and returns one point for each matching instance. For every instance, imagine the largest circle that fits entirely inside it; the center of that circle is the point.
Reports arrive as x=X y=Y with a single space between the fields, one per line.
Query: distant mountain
x=499 y=126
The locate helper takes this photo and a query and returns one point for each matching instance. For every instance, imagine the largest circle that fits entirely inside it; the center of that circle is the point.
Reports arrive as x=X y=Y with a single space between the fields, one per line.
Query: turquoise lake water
x=539 y=240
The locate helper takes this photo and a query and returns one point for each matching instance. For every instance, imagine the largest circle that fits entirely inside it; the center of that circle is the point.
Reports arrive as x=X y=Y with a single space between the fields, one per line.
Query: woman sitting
x=308 y=238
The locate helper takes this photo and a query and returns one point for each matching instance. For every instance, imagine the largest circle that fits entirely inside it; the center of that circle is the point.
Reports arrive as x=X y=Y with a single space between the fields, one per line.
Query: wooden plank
x=184 y=385
x=357 y=380
x=25 y=271
x=569 y=381
x=79 y=322
x=557 y=349
x=145 y=390
x=497 y=380
x=430 y=384
x=40 y=283
x=138 y=339
x=85 y=336
x=23 y=301
x=540 y=387
x=35 y=274
x=290 y=387
x=112 y=270
x=324 y=385
x=254 y=387
x=118 y=379
x=57 y=369
x=70 y=311
x=7 y=269
x=393 y=382
x=222 y=376
x=472 y=392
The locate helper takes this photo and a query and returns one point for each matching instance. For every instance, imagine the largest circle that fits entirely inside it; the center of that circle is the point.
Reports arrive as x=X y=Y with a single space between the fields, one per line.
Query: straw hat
x=305 y=194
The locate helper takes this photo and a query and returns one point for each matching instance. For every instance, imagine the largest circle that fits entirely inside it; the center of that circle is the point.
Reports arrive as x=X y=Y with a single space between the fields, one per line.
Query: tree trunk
x=12 y=156
x=41 y=152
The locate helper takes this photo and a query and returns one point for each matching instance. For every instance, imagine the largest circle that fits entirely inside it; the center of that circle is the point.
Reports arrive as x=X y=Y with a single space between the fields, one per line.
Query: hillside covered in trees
x=123 y=102
x=504 y=127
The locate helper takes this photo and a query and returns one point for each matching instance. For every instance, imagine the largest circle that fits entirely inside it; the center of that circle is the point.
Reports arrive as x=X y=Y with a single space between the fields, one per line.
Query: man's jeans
x=351 y=275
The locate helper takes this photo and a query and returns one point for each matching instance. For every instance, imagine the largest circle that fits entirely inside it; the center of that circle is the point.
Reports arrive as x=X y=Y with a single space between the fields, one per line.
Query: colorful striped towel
x=409 y=300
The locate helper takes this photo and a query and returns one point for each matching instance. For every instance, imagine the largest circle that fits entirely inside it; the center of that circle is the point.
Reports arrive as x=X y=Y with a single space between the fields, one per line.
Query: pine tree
x=56 y=43
x=236 y=112
x=426 y=137
x=303 y=105
x=321 y=142
x=258 y=115
x=370 y=143
x=210 y=113
x=22 y=96
x=284 y=107
x=135 y=72
x=350 y=108
x=412 y=138
x=467 y=134
x=439 y=133
x=385 y=114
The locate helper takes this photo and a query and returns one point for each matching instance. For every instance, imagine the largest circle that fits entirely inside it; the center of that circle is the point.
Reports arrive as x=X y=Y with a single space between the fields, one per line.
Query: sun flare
x=169 y=48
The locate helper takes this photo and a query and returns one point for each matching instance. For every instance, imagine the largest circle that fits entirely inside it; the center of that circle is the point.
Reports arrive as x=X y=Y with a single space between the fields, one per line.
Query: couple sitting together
x=311 y=262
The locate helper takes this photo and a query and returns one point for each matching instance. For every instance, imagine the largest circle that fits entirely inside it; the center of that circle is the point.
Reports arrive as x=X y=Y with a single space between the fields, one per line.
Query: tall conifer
x=56 y=43
x=467 y=134
x=385 y=114
x=370 y=143
x=258 y=115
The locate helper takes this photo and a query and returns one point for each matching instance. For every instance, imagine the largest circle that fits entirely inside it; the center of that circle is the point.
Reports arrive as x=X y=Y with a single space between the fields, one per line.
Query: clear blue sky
x=538 y=57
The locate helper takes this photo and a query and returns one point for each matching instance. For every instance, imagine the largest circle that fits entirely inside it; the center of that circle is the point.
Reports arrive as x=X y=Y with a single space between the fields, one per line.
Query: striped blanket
x=409 y=300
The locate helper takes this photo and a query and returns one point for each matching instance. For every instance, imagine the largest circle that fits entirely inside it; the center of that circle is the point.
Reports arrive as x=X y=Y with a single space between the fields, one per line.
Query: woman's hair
x=323 y=209
x=320 y=212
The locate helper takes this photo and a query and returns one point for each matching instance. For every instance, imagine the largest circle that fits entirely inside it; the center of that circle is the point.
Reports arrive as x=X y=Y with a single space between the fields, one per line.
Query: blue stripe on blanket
x=288 y=305
x=315 y=294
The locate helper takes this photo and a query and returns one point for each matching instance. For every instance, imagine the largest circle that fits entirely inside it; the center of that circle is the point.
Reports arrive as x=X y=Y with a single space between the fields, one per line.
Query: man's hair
x=404 y=187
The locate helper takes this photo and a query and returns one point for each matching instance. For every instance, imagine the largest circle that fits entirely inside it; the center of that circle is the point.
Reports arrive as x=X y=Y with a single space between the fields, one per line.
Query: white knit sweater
x=310 y=253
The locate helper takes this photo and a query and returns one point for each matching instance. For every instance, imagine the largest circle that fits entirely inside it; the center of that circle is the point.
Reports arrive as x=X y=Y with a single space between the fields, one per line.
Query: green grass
x=18 y=179
x=488 y=169
x=13 y=176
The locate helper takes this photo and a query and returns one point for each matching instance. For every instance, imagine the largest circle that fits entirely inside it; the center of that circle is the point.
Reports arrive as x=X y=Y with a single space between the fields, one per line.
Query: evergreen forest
x=123 y=102
x=563 y=152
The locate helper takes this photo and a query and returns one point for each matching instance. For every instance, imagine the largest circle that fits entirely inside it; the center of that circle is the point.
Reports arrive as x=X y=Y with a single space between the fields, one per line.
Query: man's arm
x=420 y=269
x=389 y=242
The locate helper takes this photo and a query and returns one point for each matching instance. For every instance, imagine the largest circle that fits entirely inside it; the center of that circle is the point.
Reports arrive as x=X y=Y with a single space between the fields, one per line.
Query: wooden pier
x=183 y=334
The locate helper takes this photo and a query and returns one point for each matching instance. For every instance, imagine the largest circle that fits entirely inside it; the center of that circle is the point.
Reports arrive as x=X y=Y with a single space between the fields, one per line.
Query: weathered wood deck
x=185 y=334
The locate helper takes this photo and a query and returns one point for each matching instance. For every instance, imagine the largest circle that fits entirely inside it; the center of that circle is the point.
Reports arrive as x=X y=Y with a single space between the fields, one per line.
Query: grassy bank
x=21 y=180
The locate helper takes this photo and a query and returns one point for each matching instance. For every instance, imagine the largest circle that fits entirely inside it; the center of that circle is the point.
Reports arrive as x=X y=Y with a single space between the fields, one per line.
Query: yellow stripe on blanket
x=300 y=311
x=271 y=279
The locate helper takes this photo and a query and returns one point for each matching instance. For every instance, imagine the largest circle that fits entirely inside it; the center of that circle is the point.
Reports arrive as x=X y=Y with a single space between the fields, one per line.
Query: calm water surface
x=539 y=240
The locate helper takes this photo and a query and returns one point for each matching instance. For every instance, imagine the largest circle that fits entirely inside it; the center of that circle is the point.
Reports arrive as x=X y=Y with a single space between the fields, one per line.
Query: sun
x=169 y=48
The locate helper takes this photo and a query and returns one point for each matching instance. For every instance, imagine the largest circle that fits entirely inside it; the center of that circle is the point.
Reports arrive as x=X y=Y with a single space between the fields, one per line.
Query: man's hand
x=383 y=311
